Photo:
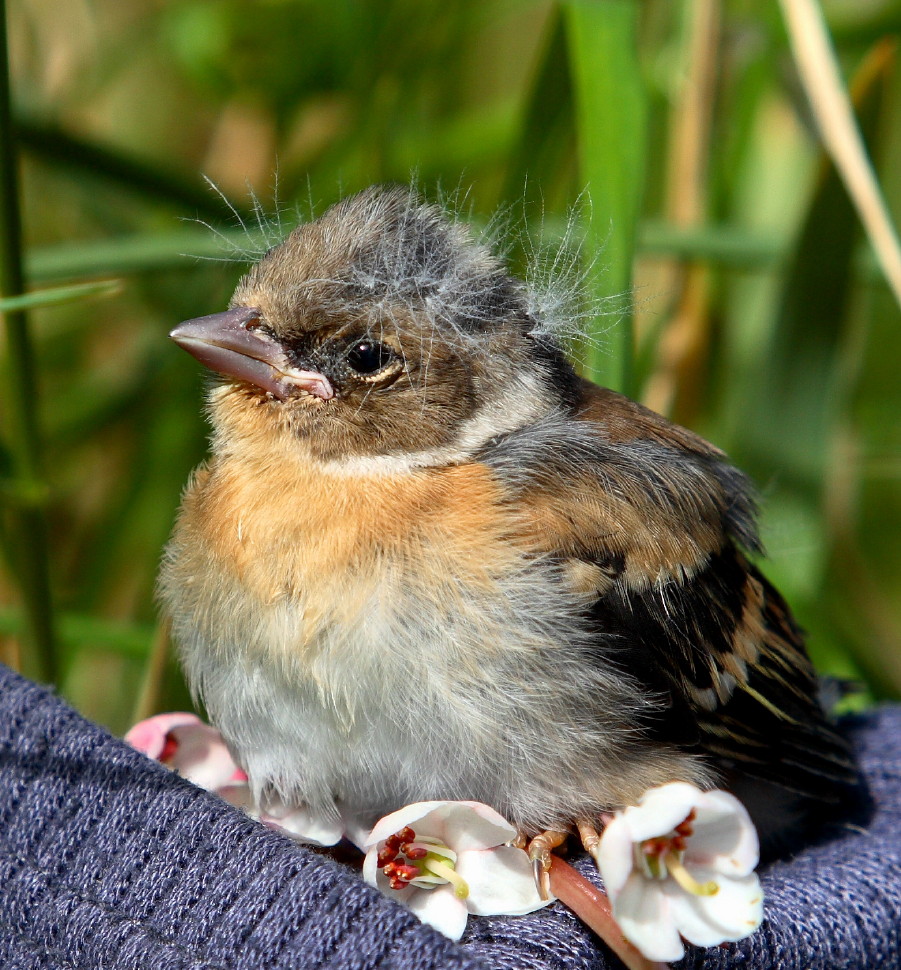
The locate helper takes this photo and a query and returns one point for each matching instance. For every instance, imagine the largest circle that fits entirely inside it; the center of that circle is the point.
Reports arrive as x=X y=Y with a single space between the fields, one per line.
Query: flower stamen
x=404 y=860
x=413 y=850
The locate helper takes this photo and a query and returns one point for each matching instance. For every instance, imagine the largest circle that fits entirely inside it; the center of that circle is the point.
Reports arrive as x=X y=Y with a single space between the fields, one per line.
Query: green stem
x=27 y=530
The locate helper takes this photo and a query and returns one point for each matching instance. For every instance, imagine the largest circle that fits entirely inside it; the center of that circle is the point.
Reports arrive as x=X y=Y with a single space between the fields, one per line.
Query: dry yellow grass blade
x=818 y=70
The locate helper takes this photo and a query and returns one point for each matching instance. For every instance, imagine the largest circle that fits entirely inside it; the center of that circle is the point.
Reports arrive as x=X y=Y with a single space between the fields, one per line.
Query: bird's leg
x=540 y=849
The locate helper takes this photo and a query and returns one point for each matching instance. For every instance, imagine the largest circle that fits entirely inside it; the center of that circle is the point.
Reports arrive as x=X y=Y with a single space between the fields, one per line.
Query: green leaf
x=144 y=253
x=545 y=142
x=77 y=630
x=610 y=126
x=59 y=294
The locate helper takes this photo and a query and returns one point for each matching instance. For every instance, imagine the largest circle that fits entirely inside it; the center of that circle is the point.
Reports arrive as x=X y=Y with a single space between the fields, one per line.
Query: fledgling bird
x=426 y=560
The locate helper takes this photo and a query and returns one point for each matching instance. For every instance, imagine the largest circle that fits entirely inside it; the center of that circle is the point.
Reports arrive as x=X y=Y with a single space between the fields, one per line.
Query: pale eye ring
x=368 y=357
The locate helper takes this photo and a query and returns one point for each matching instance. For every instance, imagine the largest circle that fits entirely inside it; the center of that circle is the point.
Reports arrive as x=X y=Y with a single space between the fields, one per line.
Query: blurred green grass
x=756 y=315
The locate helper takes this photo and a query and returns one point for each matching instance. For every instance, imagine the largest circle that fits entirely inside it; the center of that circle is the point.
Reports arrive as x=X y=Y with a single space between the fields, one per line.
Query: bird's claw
x=540 y=853
x=541 y=872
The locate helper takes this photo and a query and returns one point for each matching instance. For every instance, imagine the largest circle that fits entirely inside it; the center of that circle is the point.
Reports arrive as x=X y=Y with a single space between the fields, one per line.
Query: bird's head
x=380 y=329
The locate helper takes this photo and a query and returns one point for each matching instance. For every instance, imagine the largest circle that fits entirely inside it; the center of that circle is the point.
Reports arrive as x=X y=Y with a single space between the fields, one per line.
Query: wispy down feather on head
x=399 y=253
x=437 y=251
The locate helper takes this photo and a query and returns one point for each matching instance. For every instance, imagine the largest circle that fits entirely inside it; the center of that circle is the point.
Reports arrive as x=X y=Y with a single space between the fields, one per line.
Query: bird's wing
x=650 y=521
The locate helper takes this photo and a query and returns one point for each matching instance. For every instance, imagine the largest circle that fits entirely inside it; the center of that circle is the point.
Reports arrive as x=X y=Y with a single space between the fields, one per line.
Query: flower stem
x=592 y=906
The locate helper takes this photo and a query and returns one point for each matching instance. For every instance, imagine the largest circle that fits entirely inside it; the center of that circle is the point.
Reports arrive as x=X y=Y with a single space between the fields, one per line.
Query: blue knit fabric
x=108 y=862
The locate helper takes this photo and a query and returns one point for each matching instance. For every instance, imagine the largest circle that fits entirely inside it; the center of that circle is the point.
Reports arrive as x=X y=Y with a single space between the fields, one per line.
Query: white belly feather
x=407 y=677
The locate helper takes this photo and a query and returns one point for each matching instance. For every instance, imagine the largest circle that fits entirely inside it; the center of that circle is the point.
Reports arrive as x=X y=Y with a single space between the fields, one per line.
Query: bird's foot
x=540 y=849
x=591 y=839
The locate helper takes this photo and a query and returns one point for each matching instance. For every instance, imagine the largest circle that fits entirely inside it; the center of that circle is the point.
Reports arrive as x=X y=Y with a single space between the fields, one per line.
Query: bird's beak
x=228 y=344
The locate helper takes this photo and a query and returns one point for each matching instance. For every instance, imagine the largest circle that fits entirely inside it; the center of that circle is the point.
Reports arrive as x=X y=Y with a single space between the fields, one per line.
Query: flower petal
x=724 y=836
x=301 y=824
x=149 y=735
x=203 y=757
x=643 y=913
x=437 y=907
x=472 y=825
x=731 y=914
x=371 y=869
x=615 y=855
x=661 y=810
x=459 y=825
x=408 y=815
x=440 y=908
x=500 y=881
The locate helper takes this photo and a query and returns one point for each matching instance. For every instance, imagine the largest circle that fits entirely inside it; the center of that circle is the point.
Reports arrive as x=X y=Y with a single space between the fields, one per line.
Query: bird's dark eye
x=367 y=357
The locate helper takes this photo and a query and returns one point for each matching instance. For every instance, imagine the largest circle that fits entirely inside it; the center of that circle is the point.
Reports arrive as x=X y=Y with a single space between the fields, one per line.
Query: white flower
x=197 y=752
x=445 y=860
x=680 y=864
x=299 y=823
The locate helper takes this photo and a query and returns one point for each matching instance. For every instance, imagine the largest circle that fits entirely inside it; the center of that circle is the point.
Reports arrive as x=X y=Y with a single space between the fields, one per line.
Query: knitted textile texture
x=108 y=860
